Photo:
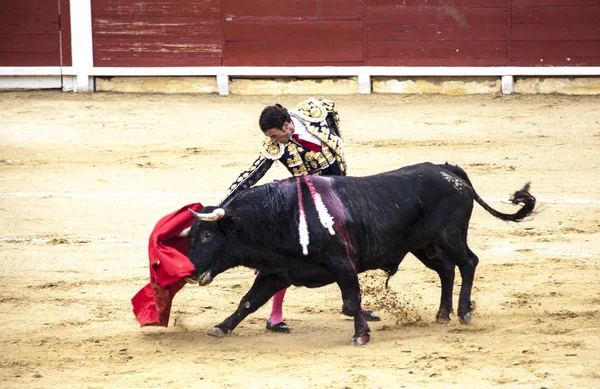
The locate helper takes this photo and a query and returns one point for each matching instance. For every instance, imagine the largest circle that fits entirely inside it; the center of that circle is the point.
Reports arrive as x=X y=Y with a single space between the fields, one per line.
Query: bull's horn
x=185 y=233
x=215 y=215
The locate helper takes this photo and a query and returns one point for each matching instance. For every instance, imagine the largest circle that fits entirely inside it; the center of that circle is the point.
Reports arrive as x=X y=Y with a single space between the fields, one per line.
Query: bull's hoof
x=442 y=318
x=466 y=318
x=360 y=340
x=217 y=332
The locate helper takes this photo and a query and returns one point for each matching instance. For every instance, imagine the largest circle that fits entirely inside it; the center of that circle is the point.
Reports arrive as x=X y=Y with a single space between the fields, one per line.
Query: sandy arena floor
x=84 y=178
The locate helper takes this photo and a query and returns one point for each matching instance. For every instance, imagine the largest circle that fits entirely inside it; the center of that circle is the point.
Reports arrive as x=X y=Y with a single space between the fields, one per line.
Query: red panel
x=164 y=49
x=40 y=24
x=300 y=31
x=295 y=10
x=27 y=43
x=29 y=59
x=462 y=16
x=284 y=53
x=551 y=32
x=551 y=3
x=555 y=49
x=437 y=49
x=165 y=9
x=175 y=48
x=146 y=60
x=29 y=33
x=433 y=3
x=394 y=32
x=28 y=8
x=157 y=33
x=176 y=53
x=151 y=28
x=555 y=33
x=436 y=62
x=575 y=61
x=555 y=15
x=65 y=31
x=235 y=62
x=29 y=50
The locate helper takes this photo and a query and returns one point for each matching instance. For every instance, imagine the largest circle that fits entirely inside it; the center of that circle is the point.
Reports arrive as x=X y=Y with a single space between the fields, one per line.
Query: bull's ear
x=229 y=222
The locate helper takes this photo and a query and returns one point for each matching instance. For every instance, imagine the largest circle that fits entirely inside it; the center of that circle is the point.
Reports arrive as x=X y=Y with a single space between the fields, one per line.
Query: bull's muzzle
x=205 y=278
x=202 y=280
x=191 y=280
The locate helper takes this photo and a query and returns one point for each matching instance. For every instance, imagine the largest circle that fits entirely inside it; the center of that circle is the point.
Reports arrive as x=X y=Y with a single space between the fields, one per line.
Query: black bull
x=423 y=209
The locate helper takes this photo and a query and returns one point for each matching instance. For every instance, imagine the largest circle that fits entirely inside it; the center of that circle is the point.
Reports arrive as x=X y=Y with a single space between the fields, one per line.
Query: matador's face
x=280 y=135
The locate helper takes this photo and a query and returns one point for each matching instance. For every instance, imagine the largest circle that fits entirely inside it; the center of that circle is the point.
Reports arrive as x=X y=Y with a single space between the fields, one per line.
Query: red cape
x=169 y=264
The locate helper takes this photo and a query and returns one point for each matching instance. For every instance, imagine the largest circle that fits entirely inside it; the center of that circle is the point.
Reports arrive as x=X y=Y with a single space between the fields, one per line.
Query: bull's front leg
x=262 y=290
x=347 y=280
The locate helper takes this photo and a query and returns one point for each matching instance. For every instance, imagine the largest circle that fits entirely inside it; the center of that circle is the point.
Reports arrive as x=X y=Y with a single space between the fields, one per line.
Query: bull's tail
x=521 y=197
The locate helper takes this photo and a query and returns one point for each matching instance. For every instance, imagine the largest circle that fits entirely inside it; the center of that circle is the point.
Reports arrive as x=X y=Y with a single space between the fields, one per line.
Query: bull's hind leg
x=347 y=280
x=262 y=290
x=459 y=253
x=436 y=260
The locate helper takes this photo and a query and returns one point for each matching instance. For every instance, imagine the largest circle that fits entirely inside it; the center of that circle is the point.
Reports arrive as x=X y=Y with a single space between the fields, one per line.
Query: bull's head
x=207 y=245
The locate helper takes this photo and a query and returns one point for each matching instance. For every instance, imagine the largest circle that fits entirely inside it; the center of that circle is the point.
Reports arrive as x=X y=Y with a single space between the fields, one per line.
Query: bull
x=423 y=209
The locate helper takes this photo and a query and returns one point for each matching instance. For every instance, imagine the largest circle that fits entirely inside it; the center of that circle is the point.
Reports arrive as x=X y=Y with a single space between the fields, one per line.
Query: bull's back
x=403 y=188
x=393 y=211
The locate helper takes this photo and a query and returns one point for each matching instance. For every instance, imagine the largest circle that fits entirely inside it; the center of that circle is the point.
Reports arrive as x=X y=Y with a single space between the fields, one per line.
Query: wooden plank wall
x=65 y=31
x=308 y=32
x=436 y=32
x=29 y=33
x=293 y=33
x=346 y=32
x=156 y=33
x=555 y=33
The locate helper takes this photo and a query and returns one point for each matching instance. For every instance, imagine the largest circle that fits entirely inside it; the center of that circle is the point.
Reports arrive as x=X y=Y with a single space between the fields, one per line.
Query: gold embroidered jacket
x=322 y=120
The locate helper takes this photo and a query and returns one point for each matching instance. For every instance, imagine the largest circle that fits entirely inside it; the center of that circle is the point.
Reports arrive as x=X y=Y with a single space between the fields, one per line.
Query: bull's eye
x=205 y=237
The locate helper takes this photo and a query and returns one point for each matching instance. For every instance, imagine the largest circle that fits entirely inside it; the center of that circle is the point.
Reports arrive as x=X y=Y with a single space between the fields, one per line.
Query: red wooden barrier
x=29 y=33
x=555 y=32
x=159 y=33
x=156 y=33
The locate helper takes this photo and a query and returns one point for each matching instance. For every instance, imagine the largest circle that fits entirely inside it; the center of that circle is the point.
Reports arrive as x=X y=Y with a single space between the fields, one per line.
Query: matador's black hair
x=273 y=116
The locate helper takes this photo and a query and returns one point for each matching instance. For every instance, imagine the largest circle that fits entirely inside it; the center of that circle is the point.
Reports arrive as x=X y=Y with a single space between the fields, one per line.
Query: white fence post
x=223 y=84
x=508 y=85
x=364 y=83
x=82 y=49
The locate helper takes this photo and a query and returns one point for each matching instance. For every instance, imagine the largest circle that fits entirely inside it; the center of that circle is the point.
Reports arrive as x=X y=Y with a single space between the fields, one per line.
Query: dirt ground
x=84 y=178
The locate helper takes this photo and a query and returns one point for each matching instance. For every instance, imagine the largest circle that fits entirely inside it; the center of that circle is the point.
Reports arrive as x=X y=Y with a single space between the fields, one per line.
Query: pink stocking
x=277 y=309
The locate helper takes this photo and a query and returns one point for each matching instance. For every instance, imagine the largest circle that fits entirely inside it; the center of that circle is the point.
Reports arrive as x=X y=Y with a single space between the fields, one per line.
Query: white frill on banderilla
x=324 y=216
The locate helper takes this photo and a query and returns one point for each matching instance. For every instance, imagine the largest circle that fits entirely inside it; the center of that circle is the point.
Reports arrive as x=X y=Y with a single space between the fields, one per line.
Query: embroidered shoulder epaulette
x=271 y=150
x=310 y=110
x=316 y=111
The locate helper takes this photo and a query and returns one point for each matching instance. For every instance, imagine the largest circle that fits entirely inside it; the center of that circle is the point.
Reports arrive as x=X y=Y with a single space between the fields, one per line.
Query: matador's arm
x=269 y=153
x=249 y=177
